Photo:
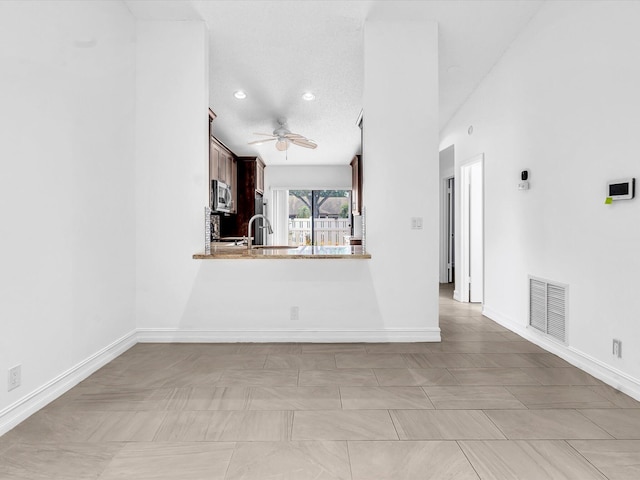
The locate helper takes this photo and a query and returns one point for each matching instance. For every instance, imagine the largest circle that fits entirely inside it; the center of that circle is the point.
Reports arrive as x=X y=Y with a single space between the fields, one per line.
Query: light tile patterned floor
x=483 y=404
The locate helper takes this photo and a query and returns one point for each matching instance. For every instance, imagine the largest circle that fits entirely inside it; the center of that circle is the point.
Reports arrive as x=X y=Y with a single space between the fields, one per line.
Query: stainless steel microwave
x=221 y=200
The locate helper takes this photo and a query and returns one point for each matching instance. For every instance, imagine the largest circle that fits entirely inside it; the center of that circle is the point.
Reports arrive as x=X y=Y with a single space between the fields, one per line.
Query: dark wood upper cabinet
x=234 y=185
x=223 y=167
x=250 y=177
x=214 y=161
x=250 y=187
x=222 y=164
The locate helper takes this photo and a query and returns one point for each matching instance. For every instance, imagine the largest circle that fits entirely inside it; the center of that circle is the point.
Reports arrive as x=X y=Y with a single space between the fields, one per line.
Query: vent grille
x=548 y=308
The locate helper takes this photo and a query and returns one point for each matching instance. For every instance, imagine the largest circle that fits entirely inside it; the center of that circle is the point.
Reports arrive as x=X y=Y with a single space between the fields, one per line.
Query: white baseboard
x=34 y=401
x=608 y=374
x=160 y=335
x=456 y=295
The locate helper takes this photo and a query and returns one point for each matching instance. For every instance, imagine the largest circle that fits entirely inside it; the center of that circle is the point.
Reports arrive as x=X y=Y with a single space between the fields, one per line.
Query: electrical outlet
x=295 y=313
x=416 y=223
x=617 y=348
x=15 y=377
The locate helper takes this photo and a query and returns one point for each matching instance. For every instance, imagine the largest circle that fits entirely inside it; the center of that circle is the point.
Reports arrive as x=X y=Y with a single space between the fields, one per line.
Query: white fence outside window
x=329 y=231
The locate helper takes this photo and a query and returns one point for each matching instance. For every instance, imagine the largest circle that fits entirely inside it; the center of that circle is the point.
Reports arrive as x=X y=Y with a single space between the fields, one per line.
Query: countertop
x=228 y=252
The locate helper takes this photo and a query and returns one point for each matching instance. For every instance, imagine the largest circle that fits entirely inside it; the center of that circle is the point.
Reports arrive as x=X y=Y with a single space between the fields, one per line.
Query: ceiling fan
x=284 y=137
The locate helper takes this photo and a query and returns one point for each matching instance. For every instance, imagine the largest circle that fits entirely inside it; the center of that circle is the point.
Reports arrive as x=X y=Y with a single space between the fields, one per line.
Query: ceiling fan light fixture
x=284 y=138
x=308 y=96
x=240 y=94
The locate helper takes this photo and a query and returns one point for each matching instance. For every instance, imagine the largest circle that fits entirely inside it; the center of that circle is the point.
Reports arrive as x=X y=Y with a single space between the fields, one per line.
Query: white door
x=472 y=223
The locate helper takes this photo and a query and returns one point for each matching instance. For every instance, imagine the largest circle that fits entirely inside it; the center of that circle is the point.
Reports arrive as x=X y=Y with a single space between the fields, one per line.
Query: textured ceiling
x=277 y=50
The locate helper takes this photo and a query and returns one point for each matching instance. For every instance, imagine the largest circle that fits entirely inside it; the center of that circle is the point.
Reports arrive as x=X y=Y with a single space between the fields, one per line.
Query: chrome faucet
x=268 y=227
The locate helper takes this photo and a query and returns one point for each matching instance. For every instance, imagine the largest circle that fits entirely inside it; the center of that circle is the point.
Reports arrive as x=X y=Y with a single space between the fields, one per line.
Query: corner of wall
x=20 y=410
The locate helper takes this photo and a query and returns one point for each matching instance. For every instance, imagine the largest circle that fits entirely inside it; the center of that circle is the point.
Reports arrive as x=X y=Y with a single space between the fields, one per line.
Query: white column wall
x=563 y=103
x=401 y=167
x=172 y=166
x=67 y=76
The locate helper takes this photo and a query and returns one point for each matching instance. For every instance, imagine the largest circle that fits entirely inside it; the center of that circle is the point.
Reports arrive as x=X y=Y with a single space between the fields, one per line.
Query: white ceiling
x=276 y=50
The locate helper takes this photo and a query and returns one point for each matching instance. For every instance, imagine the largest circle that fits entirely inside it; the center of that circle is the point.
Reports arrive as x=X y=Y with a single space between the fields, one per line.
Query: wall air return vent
x=548 y=308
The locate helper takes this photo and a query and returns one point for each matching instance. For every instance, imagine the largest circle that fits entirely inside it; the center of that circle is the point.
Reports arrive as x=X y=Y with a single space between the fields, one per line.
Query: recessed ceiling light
x=308 y=96
x=240 y=94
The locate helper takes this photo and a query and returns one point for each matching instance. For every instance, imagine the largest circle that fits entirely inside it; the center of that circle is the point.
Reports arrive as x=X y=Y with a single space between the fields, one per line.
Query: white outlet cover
x=15 y=377
x=617 y=348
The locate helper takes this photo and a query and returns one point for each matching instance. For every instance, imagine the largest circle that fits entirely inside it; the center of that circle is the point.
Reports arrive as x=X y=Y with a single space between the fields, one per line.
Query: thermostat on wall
x=624 y=189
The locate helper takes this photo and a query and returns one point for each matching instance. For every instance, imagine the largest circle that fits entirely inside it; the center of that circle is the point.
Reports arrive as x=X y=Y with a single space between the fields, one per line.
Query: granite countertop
x=229 y=252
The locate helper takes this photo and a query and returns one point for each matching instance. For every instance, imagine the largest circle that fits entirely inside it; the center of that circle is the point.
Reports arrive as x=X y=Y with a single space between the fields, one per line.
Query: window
x=318 y=217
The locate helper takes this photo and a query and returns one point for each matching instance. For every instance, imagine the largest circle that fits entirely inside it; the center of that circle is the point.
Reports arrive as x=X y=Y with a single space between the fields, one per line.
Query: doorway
x=449 y=229
x=447 y=215
x=472 y=230
x=318 y=217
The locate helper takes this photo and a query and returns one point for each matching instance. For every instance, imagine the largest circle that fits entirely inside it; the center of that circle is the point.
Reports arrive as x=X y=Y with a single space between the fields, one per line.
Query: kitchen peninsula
x=287 y=253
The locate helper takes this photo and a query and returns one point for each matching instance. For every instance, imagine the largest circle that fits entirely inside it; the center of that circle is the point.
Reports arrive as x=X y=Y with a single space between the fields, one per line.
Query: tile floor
x=484 y=404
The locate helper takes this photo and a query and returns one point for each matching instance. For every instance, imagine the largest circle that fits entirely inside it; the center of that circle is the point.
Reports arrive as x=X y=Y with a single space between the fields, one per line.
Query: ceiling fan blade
x=303 y=142
x=265 y=134
x=260 y=142
x=291 y=136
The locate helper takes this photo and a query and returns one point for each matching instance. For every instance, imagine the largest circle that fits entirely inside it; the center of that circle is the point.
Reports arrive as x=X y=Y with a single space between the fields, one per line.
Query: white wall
x=230 y=300
x=446 y=157
x=308 y=177
x=563 y=103
x=171 y=165
x=401 y=168
x=66 y=192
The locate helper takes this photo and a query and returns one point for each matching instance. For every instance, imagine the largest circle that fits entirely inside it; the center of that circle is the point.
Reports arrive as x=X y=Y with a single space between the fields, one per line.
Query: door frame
x=463 y=256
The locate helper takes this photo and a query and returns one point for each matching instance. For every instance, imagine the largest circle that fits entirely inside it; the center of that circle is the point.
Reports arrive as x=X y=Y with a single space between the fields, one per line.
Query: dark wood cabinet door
x=234 y=185
x=214 y=161
x=228 y=169
x=222 y=171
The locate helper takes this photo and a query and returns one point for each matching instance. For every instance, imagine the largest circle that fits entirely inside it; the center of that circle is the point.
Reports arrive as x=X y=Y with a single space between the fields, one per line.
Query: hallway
x=484 y=403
